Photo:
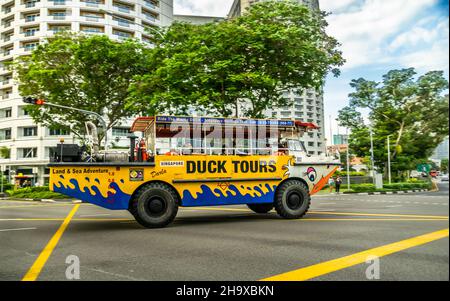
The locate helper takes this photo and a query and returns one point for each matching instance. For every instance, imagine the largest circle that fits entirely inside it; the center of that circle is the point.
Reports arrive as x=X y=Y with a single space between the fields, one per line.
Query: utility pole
x=371 y=155
x=331 y=133
x=348 y=159
x=389 y=158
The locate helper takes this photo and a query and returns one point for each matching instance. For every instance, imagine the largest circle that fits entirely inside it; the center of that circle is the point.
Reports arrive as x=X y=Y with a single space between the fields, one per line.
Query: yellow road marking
x=378 y=214
x=61 y=219
x=323 y=212
x=180 y=219
x=372 y=219
x=36 y=268
x=358 y=258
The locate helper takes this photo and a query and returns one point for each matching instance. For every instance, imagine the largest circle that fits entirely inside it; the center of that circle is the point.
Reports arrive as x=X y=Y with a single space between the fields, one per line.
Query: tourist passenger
x=331 y=184
x=338 y=184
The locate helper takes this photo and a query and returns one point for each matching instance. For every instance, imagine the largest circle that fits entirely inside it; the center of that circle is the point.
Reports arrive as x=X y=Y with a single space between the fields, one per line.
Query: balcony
x=92 y=18
x=6 y=82
x=30 y=33
x=58 y=17
x=31 y=19
x=122 y=9
x=123 y=23
x=150 y=5
x=150 y=17
x=59 y=2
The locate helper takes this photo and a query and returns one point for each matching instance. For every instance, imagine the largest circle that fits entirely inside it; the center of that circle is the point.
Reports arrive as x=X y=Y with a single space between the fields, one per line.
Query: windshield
x=296 y=146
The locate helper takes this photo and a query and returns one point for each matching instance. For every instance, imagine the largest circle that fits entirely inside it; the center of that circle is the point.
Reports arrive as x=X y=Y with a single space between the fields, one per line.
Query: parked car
x=444 y=178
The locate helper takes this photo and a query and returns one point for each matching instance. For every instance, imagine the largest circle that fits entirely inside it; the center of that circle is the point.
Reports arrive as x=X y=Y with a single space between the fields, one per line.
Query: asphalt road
x=232 y=243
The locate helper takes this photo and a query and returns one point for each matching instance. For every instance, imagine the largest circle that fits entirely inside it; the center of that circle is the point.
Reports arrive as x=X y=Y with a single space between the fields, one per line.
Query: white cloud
x=365 y=30
x=202 y=7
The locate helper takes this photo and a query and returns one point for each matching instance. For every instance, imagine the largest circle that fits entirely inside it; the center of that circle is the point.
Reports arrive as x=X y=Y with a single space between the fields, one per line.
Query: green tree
x=444 y=166
x=85 y=72
x=240 y=64
x=412 y=112
x=5 y=152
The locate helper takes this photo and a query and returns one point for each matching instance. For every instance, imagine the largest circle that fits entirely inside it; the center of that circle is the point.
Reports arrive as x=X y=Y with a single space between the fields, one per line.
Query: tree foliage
x=85 y=72
x=444 y=166
x=412 y=112
x=239 y=64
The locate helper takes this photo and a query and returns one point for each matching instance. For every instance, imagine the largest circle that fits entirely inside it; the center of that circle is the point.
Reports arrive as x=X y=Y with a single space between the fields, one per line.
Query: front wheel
x=155 y=205
x=260 y=208
x=292 y=199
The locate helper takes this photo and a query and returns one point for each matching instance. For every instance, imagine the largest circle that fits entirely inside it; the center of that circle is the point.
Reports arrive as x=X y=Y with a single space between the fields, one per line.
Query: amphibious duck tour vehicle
x=196 y=161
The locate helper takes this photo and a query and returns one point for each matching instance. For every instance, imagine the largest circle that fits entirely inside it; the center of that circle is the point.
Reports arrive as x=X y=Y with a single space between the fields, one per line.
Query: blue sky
x=376 y=36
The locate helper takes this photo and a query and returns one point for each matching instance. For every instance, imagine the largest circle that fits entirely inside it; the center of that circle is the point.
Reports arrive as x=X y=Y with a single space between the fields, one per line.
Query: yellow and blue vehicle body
x=199 y=180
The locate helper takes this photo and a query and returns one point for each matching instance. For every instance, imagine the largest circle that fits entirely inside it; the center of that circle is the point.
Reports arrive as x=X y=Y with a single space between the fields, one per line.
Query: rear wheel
x=261 y=208
x=155 y=205
x=292 y=199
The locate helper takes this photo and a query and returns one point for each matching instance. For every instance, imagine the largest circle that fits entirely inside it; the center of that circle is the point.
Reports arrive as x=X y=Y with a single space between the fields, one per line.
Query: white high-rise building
x=24 y=24
x=306 y=105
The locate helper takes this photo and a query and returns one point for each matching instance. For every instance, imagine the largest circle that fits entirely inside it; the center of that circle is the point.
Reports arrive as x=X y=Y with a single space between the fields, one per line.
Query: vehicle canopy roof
x=141 y=124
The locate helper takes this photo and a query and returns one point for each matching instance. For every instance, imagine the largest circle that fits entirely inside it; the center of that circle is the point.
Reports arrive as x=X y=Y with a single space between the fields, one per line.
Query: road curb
x=388 y=192
x=44 y=200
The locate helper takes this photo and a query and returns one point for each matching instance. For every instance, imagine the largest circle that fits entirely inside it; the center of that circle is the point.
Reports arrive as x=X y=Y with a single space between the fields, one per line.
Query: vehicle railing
x=225 y=151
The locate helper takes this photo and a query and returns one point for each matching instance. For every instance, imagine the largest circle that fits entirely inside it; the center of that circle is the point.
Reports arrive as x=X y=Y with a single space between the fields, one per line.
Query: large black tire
x=292 y=199
x=155 y=205
x=261 y=208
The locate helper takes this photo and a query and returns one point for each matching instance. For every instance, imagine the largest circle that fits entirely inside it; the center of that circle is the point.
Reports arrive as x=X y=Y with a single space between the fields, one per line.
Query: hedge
x=352 y=173
x=390 y=187
x=42 y=192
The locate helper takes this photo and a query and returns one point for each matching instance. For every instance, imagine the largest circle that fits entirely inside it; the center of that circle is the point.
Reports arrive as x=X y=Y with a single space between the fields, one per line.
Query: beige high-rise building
x=306 y=105
x=24 y=24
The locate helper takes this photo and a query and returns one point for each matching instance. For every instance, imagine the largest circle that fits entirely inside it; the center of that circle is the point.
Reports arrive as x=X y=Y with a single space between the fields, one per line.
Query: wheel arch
x=149 y=182
x=293 y=178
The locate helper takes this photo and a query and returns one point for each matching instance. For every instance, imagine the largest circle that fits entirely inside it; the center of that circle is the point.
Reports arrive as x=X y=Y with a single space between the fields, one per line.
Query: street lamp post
x=31 y=100
x=371 y=155
x=389 y=158
x=348 y=160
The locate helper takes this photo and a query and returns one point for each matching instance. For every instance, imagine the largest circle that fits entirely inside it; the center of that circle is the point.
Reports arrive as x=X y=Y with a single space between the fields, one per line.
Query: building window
x=30 y=46
x=58 y=132
x=5 y=134
x=5 y=113
x=120 y=132
x=310 y=143
x=31 y=18
x=92 y=29
x=30 y=131
x=122 y=34
x=31 y=3
x=50 y=152
x=31 y=32
x=59 y=2
x=26 y=153
x=60 y=15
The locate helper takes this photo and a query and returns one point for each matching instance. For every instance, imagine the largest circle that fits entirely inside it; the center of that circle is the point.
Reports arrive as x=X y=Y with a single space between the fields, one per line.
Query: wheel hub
x=294 y=200
x=156 y=205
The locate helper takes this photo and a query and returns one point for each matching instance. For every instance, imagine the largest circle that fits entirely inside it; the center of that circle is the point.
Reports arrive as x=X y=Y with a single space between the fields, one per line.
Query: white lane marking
x=117 y=275
x=17 y=229
x=326 y=204
x=93 y=215
x=393 y=206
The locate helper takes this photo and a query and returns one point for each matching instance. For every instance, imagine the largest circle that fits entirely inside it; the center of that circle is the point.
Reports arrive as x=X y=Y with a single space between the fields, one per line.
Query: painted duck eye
x=311 y=173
